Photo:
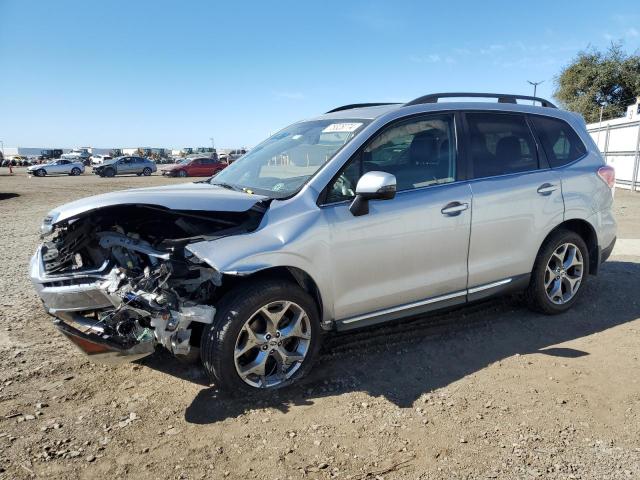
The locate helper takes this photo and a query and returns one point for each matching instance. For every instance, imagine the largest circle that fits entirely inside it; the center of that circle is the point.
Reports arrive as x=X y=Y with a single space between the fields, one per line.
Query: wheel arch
x=293 y=274
x=588 y=233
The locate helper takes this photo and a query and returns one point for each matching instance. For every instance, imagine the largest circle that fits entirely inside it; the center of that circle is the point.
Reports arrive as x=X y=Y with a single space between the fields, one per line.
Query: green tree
x=595 y=79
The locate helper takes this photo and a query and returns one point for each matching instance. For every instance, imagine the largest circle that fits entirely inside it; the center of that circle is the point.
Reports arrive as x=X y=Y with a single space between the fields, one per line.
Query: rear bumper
x=605 y=253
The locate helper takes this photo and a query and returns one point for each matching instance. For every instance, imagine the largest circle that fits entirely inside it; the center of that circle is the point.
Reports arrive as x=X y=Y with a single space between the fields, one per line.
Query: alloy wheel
x=564 y=272
x=272 y=344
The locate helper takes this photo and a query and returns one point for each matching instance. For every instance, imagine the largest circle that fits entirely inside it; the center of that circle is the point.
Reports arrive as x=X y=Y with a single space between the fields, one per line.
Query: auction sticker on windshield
x=341 y=127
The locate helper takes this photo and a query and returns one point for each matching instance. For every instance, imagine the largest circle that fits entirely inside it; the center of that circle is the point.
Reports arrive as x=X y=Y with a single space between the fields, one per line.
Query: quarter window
x=420 y=152
x=560 y=142
x=500 y=144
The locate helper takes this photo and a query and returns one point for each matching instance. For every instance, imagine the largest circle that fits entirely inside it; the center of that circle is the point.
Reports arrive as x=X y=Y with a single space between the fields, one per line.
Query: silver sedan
x=57 y=167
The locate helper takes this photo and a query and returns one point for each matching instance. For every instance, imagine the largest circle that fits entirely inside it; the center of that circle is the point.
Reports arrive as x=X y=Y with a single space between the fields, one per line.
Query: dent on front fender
x=298 y=241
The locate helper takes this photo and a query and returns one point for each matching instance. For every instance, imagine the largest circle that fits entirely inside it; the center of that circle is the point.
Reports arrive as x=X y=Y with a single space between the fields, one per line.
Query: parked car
x=78 y=154
x=232 y=155
x=195 y=167
x=100 y=159
x=366 y=214
x=124 y=166
x=57 y=167
x=50 y=154
x=19 y=160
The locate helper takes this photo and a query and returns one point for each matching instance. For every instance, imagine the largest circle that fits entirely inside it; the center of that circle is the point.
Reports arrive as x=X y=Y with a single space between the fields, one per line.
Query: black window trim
x=461 y=171
x=543 y=164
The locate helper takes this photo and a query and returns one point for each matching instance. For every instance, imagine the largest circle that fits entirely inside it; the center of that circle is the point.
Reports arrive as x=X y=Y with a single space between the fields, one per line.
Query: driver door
x=408 y=254
x=58 y=166
x=124 y=165
x=195 y=168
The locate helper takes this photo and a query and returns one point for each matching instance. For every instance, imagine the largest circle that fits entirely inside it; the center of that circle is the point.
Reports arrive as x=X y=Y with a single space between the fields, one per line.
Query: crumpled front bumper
x=69 y=293
x=87 y=335
x=65 y=296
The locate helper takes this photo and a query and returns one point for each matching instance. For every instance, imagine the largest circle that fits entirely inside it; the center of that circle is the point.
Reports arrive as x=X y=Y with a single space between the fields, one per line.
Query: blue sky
x=174 y=74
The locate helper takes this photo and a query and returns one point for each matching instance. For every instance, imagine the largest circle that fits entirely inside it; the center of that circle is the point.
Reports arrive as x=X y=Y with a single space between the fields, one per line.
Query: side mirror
x=372 y=186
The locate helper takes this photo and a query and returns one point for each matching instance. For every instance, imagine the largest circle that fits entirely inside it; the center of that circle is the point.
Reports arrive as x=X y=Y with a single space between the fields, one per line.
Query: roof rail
x=502 y=98
x=359 y=105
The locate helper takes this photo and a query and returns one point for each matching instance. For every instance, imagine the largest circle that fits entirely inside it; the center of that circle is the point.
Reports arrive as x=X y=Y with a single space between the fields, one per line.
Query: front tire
x=559 y=273
x=265 y=336
x=146 y=172
x=41 y=172
x=182 y=173
x=109 y=172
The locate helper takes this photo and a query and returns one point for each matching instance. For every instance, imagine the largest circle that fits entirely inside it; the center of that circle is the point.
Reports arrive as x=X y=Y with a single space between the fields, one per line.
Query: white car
x=100 y=159
x=60 y=167
x=77 y=154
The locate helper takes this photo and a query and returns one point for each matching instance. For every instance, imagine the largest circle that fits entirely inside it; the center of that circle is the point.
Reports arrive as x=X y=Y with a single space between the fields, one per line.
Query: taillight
x=608 y=175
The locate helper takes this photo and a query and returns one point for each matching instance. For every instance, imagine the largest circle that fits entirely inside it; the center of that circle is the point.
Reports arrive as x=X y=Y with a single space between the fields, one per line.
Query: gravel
x=490 y=391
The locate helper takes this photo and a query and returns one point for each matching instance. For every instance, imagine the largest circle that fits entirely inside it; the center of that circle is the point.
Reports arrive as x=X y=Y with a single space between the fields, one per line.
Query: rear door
x=517 y=199
x=138 y=164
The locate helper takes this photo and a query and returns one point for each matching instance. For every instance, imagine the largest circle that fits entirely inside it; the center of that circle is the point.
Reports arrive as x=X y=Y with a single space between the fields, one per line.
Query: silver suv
x=365 y=214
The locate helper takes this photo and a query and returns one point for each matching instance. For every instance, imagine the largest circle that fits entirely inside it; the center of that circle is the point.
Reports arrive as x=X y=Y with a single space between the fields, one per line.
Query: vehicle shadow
x=7 y=196
x=404 y=360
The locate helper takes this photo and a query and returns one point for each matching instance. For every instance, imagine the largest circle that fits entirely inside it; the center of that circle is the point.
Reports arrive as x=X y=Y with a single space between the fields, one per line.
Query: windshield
x=280 y=165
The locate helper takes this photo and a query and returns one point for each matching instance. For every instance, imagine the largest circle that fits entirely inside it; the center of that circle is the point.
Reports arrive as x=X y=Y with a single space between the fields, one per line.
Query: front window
x=419 y=152
x=280 y=165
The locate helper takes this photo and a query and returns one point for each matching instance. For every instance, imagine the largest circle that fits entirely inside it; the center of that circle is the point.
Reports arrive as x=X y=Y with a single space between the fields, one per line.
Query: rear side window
x=500 y=144
x=560 y=142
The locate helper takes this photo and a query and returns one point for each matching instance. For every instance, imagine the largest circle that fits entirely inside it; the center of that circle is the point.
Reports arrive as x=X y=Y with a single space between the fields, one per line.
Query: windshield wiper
x=228 y=186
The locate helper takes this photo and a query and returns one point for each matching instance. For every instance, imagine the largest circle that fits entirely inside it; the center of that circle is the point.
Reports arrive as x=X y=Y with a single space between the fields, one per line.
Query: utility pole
x=213 y=145
x=535 y=87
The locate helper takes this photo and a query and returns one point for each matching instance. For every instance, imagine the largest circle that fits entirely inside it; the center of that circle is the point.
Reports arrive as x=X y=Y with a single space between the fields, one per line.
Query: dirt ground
x=489 y=391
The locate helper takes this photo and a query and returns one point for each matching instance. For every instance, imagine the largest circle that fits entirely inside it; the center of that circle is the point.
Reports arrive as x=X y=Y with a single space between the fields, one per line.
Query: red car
x=195 y=167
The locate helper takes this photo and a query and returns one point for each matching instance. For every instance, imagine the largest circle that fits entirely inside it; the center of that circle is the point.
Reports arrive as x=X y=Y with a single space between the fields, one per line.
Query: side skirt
x=507 y=285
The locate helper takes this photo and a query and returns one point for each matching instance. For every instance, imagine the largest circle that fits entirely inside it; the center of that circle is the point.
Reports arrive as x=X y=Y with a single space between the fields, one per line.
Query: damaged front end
x=119 y=280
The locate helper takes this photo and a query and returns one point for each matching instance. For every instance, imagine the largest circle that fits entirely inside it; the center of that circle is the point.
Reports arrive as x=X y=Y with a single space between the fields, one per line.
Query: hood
x=109 y=161
x=187 y=196
x=39 y=165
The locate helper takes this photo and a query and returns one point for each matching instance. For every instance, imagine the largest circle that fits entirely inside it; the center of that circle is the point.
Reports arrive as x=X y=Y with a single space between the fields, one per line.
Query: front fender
x=299 y=241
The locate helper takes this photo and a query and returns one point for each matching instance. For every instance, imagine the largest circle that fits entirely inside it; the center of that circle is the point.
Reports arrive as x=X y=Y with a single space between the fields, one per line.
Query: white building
x=35 y=151
x=619 y=142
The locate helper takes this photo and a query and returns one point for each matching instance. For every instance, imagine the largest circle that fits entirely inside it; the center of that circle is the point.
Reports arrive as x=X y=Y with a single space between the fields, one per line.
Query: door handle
x=454 y=208
x=546 y=189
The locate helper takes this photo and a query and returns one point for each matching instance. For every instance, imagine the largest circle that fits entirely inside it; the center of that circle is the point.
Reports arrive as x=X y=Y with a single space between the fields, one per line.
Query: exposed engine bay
x=120 y=281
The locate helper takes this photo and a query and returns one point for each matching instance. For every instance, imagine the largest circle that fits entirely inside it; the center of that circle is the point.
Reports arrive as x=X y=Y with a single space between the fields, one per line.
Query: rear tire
x=241 y=309
x=75 y=171
x=559 y=273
